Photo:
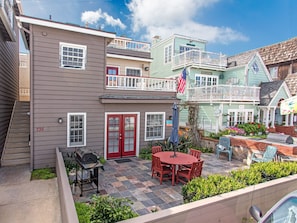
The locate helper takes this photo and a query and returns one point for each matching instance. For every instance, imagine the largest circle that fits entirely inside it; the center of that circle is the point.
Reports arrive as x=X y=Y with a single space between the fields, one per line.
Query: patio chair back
x=156 y=149
x=185 y=175
x=196 y=153
x=196 y=169
x=159 y=170
x=268 y=155
x=224 y=146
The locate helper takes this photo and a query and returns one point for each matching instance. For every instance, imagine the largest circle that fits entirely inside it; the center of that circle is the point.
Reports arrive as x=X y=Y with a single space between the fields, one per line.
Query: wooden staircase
x=16 y=148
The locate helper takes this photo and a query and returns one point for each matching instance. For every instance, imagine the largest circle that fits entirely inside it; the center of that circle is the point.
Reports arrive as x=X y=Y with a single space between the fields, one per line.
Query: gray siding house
x=9 y=47
x=75 y=103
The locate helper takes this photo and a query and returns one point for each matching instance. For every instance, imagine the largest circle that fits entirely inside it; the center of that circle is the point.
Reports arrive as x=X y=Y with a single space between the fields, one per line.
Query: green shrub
x=200 y=188
x=106 y=209
x=216 y=184
x=145 y=153
x=83 y=212
x=43 y=174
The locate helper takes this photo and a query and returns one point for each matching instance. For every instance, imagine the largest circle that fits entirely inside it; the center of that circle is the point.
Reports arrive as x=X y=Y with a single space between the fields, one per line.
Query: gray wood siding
x=57 y=91
x=8 y=84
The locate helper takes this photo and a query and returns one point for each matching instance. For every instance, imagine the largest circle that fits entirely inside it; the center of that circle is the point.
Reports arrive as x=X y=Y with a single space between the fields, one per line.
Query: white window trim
x=154 y=113
x=84 y=114
x=166 y=52
x=133 y=68
x=83 y=47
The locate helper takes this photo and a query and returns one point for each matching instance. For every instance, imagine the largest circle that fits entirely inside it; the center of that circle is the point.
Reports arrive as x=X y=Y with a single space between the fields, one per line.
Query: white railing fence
x=226 y=93
x=130 y=45
x=200 y=58
x=140 y=83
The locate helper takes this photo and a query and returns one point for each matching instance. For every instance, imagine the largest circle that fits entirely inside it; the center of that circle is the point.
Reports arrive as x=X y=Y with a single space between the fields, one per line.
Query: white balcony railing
x=140 y=83
x=201 y=59
x=224 y=93
x=125 y=43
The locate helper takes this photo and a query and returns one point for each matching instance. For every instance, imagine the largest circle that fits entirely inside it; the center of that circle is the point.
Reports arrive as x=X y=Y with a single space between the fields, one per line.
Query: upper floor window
x=273 y=72
x=168 y=54
x=72 y=56
x=76 y=129
x=23 y=64
x=154 y=125
x=255 y=67
x=186 y=48
x=135 y=72
x=205 y=80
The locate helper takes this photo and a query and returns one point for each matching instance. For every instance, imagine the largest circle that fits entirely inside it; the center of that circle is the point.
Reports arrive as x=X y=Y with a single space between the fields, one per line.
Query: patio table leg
x=173 y=174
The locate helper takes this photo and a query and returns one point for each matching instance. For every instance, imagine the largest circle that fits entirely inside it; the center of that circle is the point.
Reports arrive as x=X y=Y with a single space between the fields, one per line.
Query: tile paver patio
x=133 y=180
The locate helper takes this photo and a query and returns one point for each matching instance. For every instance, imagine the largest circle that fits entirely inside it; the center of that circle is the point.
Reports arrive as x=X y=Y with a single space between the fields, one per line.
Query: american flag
x=182 y=81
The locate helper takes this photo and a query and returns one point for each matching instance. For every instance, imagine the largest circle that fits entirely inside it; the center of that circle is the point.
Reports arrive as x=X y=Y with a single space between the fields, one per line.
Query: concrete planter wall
x=225 y=208
x=66 y=199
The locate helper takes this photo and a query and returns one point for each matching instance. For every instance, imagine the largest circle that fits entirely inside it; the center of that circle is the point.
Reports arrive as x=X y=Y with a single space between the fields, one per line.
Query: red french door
x=121 y=135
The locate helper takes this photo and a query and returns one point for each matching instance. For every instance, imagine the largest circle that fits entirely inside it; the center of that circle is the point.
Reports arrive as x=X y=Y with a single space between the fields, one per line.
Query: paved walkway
x=133 y=180
x=26 y=201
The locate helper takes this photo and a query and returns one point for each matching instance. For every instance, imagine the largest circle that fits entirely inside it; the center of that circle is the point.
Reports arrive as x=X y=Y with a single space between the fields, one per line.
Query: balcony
x=224 y=93
x=7 y=20
x=201 y=59
x=122 y=82
x=128 y=44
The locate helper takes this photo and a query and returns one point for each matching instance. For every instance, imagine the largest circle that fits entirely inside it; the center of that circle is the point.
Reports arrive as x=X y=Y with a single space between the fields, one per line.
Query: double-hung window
x=154 y=126
x=73 y=56
x=76 y=129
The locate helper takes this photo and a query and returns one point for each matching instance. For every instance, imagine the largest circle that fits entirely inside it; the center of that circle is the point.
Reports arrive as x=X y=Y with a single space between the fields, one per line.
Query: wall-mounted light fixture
x=146 y=68
x=60 y=120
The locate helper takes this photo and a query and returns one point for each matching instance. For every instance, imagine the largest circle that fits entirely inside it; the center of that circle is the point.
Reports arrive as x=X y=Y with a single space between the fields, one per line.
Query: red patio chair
x=194 y=152
x=187 y=174
x=159 y=170
x=156 y=149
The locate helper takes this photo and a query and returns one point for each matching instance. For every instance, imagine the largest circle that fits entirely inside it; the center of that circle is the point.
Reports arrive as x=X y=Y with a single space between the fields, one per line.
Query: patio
x=133 y=180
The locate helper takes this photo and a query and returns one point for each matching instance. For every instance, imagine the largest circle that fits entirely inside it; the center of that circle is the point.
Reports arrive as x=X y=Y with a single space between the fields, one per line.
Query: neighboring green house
x=224 y=91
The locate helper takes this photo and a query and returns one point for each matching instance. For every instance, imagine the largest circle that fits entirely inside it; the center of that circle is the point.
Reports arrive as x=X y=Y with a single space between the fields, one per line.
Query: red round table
x=179 y=159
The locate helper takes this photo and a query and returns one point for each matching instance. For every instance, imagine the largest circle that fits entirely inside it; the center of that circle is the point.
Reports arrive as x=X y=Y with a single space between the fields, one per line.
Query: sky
x=229 y=26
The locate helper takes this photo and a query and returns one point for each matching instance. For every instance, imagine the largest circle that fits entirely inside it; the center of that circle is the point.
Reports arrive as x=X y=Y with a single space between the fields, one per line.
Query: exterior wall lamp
x=60 y=120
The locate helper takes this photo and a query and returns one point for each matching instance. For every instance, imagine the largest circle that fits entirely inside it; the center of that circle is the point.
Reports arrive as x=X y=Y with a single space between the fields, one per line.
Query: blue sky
x=229 y=26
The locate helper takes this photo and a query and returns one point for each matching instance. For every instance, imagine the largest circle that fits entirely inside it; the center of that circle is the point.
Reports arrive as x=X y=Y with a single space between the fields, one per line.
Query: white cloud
x=93 y=17
x=164 y=18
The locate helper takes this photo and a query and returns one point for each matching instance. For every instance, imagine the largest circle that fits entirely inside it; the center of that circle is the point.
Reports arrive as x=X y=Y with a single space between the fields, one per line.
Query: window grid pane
x=155 y=126
x=72 y=57
x=76 y=134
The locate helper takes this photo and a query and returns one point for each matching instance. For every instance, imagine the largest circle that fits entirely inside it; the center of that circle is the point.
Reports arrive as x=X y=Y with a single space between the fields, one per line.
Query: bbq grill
x=280 y=138
x=87 y=169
